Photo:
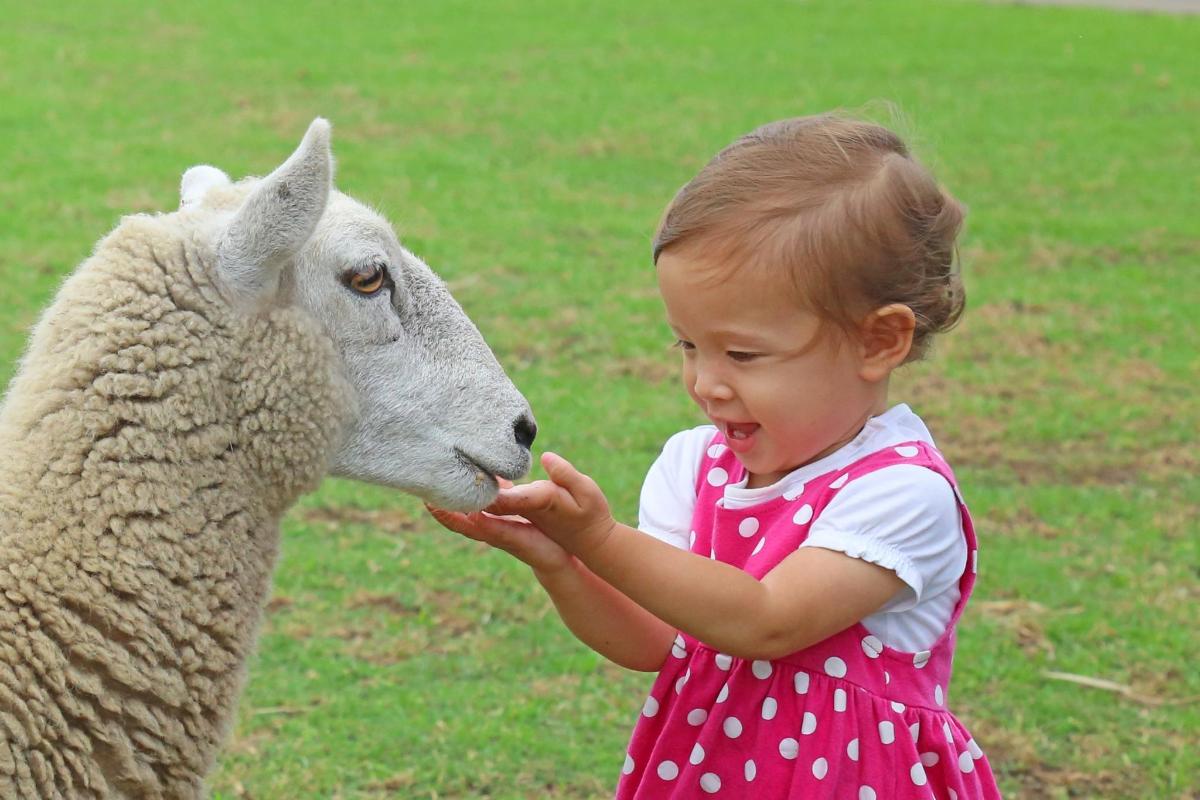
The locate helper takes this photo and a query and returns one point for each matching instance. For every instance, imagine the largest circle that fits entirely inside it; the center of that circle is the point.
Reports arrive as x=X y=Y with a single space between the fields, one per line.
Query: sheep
x=195 y=375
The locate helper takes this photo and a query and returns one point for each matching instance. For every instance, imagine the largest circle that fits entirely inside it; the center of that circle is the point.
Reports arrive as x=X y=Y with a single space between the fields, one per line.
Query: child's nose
x=708 y=385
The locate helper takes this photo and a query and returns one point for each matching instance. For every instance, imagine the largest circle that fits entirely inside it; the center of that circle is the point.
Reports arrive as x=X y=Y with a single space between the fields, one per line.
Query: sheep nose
x=525 y=429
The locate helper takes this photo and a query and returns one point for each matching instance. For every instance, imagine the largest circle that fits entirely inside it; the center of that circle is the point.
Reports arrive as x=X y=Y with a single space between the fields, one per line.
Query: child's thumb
x=564 y=474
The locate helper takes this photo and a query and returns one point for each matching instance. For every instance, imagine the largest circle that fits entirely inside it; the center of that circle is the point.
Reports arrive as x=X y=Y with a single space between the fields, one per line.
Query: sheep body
x=191 y=379
x=147 y=501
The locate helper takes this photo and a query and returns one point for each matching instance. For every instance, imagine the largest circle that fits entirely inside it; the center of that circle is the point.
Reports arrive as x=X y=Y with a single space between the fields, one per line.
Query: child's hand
x=511 y=534
x=569 y=508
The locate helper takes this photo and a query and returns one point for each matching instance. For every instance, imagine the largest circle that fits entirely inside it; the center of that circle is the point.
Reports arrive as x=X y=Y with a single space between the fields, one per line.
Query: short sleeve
x=668 y=496
x=904 y=518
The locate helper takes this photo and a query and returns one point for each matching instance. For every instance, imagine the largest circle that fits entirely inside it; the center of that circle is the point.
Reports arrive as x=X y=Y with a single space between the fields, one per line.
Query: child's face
x=783 y=392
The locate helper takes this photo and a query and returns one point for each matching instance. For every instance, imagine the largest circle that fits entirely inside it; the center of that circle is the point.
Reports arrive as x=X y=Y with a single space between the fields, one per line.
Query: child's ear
x=886 y=337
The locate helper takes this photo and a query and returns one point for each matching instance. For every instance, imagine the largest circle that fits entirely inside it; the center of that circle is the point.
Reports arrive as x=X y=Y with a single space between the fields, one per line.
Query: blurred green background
x=525 y=150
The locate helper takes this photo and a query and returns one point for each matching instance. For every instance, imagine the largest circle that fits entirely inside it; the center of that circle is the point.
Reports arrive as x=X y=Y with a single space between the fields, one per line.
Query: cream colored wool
x=149 y=444
x=149 y=498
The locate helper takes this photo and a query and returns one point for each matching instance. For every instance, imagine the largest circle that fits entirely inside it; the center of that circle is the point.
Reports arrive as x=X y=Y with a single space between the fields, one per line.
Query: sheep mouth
x=481 y=472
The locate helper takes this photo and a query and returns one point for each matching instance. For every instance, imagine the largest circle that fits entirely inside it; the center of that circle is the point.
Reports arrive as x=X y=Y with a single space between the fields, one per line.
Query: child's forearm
x=606 y=620
x=714 y=602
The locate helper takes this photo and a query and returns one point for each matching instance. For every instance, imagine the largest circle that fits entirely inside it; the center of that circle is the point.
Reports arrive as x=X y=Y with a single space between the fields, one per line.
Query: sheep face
x=433 y=413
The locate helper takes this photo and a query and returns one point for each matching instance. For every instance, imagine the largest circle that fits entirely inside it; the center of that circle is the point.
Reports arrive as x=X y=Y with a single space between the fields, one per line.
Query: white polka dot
x=809 y=724
x=628 y=767
x=872 y=646
x=917 y=773
x=887 y=732
x=716 y=450
x=710 y=783
x=915 y=730
x=717 y=477
x=761 y=669
x=887 y=678
x=723 y=661
x=668 y=770
x=840 y=481
x=976 y=753
x=835 y=667
x=651 y=707
x=770 y=708
x=732 y=727
x=852 y=749
x=908 y=451
x=758 y=547
x=697 y=716
x=801 y=682
x=794 y=492
x=748 y=527
x=929 y=759
x=789 y=748
x=866 y=793
x=677 y=647
x=804 y=515
x=897 y=707
x=938 y=697
x=953 y=794
x=921 y=659
x=946 y=732
x=820 y=768
x=697 y=754
x=965 y=762
x=679 y=684
x=839 y=699
x=724 y=694
x=751 y=771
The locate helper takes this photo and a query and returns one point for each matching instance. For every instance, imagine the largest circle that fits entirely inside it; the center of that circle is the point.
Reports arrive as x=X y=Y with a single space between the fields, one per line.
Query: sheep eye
x=368 y=281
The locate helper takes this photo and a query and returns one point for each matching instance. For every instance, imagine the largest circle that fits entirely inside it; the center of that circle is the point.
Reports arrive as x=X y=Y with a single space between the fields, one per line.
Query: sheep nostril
x=525 y=430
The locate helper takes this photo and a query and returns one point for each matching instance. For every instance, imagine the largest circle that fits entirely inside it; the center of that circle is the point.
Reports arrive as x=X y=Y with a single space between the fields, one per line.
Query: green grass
x=526 y=150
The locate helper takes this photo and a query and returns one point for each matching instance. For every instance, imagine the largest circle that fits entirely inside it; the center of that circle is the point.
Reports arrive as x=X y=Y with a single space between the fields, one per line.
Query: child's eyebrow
x=741 y=335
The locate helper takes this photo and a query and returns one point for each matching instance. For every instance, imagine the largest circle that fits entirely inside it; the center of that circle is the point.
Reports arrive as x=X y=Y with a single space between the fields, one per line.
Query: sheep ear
x=277 y=218
x=197 y=181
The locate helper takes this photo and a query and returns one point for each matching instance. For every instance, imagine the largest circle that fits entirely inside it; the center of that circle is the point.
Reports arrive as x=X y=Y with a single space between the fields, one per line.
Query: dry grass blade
x=284 y=710
x=1120 y=688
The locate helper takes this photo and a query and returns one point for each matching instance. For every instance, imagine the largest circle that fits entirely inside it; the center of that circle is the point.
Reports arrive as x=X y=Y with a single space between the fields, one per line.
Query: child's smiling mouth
x=739 y=435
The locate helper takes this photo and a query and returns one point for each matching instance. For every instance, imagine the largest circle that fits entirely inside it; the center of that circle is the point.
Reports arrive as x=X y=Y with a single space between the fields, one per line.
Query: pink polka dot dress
x=847 y=718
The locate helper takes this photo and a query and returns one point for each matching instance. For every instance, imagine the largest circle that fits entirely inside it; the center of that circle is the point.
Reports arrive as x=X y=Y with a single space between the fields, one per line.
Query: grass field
x=526 y=150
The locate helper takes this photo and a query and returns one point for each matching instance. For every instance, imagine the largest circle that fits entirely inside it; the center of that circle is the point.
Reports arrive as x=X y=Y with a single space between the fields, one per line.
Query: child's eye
x=738 y=355
x=683 y=344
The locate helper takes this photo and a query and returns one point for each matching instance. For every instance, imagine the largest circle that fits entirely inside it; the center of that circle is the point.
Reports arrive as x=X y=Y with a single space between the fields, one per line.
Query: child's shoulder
x=687 y=447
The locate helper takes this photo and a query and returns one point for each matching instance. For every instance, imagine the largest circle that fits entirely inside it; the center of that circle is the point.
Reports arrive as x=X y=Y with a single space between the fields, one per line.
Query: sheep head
x=434 y=414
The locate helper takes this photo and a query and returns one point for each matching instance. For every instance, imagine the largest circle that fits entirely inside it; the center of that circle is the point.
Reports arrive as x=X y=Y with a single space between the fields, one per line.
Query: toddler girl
x=801 y=562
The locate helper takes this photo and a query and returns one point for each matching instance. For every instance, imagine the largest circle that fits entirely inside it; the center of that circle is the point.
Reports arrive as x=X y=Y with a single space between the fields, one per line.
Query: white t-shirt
x=903 y=517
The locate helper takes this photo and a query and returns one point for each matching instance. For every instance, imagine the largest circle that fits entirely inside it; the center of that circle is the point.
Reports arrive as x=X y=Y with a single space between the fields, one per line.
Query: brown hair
x=839 y=203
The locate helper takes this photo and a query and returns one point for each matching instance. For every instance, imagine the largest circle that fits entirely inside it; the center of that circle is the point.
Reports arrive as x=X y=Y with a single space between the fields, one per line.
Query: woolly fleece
x=150 y=444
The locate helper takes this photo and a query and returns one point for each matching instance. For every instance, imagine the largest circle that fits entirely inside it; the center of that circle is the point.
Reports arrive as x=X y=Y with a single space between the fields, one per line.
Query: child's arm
x=606 y=620
x=599 y=615
x=809 y=596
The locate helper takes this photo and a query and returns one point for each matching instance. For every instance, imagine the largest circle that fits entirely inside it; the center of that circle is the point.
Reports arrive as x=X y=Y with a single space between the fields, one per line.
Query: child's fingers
x=563 y=473
x=454 y=520
x=513 y=535
x=448 y=519
x=523 y=499
x=480 y=526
